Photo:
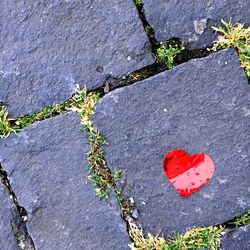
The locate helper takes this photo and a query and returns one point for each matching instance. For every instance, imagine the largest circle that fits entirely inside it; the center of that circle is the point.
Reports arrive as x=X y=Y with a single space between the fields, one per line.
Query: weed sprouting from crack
x=5 y=125
x=238 y=37
x=137 y=2
x=99 y=174
x=174 y=52
x=241 y=220
x=167 y=53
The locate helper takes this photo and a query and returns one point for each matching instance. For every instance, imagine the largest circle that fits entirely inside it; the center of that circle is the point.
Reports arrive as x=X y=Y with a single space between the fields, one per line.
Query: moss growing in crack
x=8 y=125
x=43 y=114
x=241 y=220
x=101 y=176
x=167 y=53
x=197 y=238
x=238 y=37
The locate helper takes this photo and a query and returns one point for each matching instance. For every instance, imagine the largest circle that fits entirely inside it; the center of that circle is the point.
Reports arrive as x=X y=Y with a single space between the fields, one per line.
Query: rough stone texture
x=8 y=219
x=47 y=167
x=47 y=47
x=236 y=239
x=200 y=106
x=191 y=21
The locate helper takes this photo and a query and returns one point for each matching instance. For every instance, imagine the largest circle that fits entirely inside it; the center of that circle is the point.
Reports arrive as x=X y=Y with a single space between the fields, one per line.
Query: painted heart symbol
x=188 y=173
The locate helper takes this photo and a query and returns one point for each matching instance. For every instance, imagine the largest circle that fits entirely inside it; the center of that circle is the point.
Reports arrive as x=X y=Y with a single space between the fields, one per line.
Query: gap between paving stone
x=147 y=28
x=19 y=230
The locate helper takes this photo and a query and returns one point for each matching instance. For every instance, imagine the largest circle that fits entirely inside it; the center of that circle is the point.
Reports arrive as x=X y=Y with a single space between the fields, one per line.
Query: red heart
x=188 y=173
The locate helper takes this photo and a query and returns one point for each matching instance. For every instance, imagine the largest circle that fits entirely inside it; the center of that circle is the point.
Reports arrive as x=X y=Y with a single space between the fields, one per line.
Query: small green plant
x=167 y=54
x=238 y=37
x=242 y=220
x=5 y=125
x=138 y=2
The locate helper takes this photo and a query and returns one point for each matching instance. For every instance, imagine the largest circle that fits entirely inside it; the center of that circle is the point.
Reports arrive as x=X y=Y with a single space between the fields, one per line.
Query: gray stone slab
x=236 y=239
x=191 y=21
x=8 y=219
x=47 y=47
x=47 y=167
x=200 y=106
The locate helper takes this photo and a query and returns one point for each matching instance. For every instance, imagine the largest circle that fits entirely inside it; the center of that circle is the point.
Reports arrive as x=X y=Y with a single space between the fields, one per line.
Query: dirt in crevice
x=19 y=228
x=151 y=70
x=147 y=27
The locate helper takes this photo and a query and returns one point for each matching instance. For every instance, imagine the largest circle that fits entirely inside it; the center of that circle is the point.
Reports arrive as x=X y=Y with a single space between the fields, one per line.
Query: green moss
x=207 y=237
x=8 y=125
x=197 y=238
x=43 y=114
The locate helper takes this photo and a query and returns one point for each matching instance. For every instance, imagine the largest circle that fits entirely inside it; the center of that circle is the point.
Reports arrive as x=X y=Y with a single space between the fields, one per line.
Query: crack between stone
x=19 y=230
x=150 y=70
x=229 y=225
x=147 y=27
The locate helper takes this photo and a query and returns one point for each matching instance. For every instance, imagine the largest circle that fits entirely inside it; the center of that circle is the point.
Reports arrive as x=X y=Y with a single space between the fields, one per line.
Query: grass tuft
x=238 y=37
x=5 y=125
x=197 y=238
x=167 y=53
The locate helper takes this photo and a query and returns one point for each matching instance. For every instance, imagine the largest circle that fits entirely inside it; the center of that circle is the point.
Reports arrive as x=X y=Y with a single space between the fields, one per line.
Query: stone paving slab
x=8 y=219
x=200 y=106
x=236 y=239
x=47 y=47
x=191 y=21
x=47 y=167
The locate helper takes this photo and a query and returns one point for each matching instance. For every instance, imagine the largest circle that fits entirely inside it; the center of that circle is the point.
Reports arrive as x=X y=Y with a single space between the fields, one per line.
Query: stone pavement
x=192 y=21
x=8 y=217
x=200 y=106
x=184 y=111
x=48 y=48
x=236 y=239
x=48 y=172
